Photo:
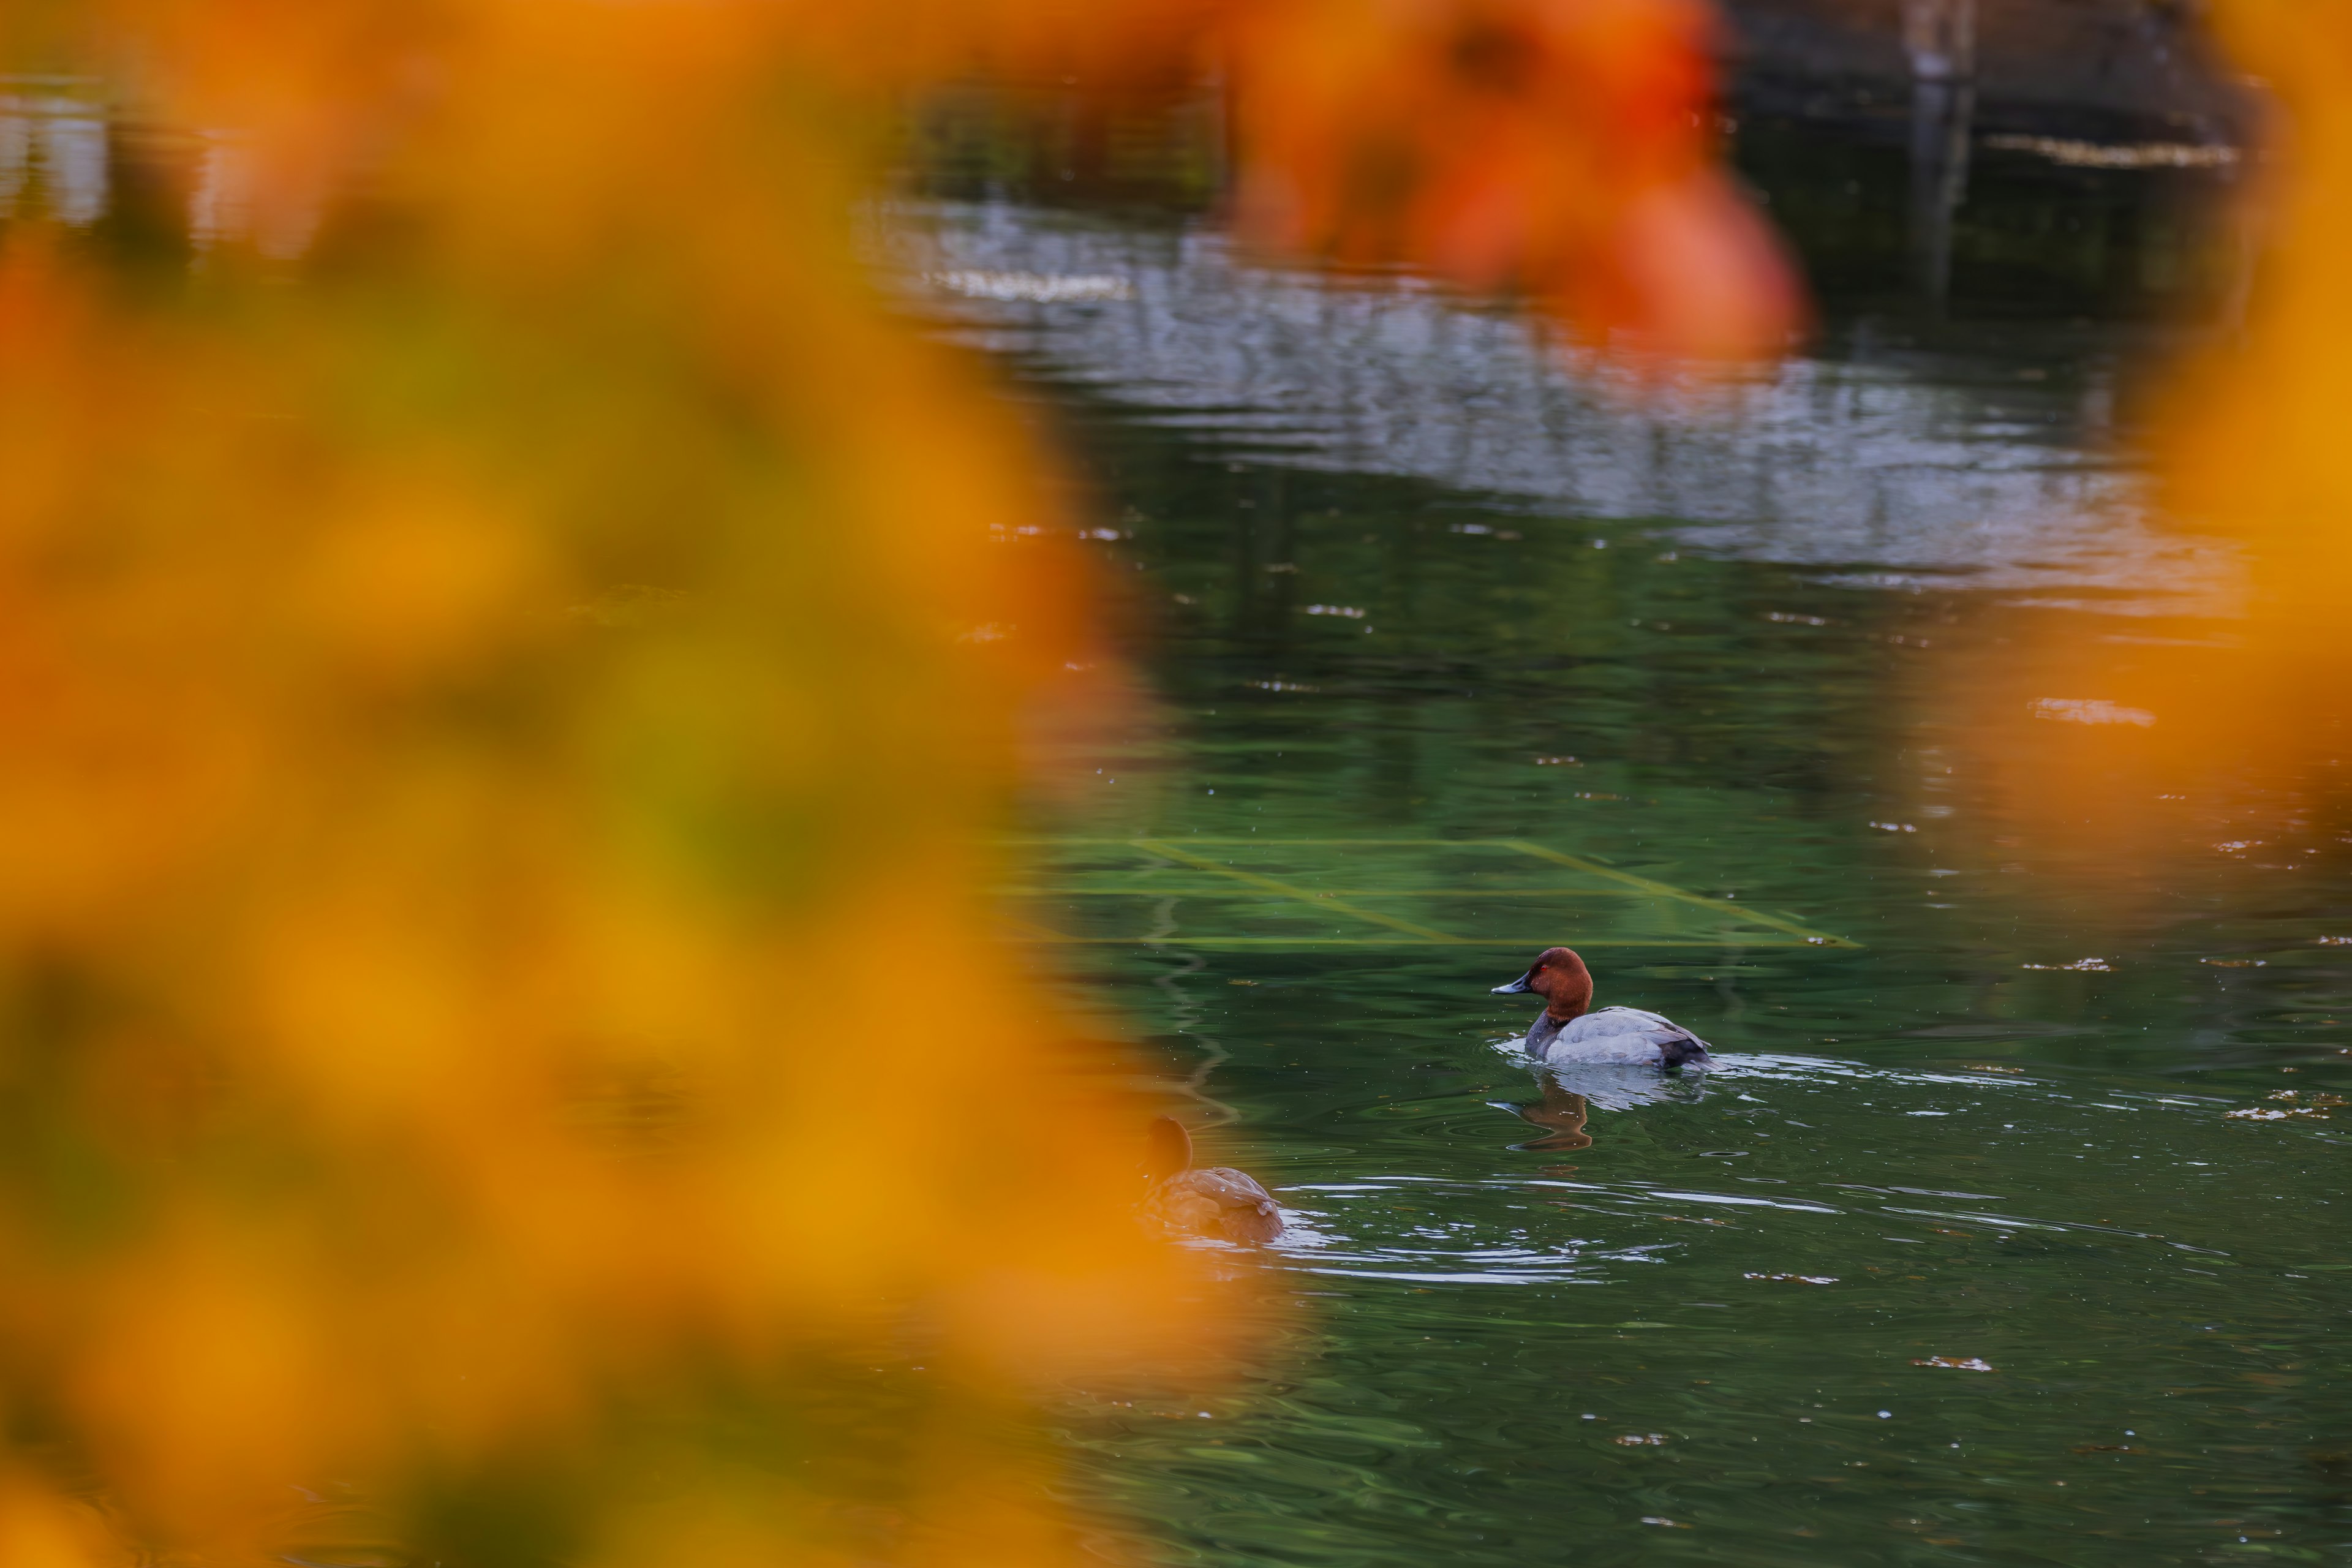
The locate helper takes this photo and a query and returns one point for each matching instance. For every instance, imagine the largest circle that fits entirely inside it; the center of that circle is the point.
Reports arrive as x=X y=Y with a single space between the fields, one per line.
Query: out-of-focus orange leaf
x=513 y=659
x=2247 y=443
x=2255 y=436
x=2101 y=738
x=40 y=1530
x=1564 y=148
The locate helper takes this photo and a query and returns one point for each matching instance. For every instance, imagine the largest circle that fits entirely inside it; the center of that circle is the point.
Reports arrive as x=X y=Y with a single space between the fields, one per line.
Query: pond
x=2010 y=1224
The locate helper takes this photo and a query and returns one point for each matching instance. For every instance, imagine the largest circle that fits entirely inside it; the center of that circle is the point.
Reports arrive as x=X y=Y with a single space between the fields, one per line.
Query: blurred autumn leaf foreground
x=509 y=658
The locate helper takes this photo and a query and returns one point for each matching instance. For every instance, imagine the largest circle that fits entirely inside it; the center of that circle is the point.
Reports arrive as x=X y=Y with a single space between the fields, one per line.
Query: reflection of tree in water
x=52 y=150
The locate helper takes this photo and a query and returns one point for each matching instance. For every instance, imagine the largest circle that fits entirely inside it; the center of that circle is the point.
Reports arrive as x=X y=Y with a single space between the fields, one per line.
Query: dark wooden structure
x=2101 y=69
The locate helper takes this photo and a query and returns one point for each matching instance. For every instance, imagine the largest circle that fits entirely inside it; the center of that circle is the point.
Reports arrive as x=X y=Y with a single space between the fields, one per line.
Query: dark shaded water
x=2011 y=1227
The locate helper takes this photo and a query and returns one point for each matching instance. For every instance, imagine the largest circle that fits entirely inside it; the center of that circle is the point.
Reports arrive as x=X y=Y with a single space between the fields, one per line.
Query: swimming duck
x=1569 y=1032
x=1218 y=1202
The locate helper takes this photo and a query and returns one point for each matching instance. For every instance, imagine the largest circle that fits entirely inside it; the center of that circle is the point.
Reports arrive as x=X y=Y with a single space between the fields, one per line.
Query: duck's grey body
x=1615 y=1035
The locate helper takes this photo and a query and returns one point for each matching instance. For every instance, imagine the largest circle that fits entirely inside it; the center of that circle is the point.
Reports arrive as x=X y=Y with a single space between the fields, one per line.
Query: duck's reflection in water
x=1560 y=1112
x=1570 y=1094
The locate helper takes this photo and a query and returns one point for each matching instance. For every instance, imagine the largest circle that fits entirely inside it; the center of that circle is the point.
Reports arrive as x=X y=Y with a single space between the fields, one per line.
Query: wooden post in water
x=1940 y=37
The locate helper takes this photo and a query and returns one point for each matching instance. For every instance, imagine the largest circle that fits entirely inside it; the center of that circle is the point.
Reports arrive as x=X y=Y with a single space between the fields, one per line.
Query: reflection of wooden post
x=1940 y=37
x=2248 y=228
x=1941 y=112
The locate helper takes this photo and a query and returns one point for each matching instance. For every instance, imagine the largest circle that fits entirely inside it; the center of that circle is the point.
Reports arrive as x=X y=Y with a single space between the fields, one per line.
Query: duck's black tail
x=1690 y=1050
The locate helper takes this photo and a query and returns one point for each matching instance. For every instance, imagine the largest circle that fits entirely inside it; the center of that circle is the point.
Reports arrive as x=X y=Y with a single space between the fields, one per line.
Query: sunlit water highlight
x=1896 y=471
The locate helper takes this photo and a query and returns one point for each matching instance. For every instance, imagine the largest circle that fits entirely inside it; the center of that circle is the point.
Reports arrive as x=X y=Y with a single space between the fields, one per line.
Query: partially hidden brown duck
x=1217 y=1202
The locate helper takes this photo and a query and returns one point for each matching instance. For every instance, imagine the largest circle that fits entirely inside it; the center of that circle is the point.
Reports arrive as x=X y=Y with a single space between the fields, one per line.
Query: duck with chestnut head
x=1217 y=1202
x=1571 y=1032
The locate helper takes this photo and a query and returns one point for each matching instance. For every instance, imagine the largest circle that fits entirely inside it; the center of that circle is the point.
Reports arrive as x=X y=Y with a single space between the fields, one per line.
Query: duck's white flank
x=1615 y=1035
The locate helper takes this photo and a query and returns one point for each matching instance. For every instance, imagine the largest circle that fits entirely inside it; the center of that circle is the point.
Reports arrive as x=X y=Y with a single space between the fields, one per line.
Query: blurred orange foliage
x=2248 y=443
x=1564 y=148
x=510 y=667
x=2256 y=440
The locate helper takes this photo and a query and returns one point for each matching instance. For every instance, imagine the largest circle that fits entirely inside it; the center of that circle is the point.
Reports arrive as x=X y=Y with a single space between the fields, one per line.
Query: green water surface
x=2010 y=1225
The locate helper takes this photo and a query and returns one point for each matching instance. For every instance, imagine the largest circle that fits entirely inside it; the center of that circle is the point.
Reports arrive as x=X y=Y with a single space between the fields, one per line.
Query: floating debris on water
x=2316 y=1103
x=1956 y=1362
x=2080 y=966
x=2089 y=710
x=1640 y=1440
x=1795 y=1279
x=1350 y=611
x=2076 y=155
x=1036 y=288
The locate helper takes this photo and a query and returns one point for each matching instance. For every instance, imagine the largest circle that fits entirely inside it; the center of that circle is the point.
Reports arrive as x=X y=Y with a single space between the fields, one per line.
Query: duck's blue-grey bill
x=1513 y=989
